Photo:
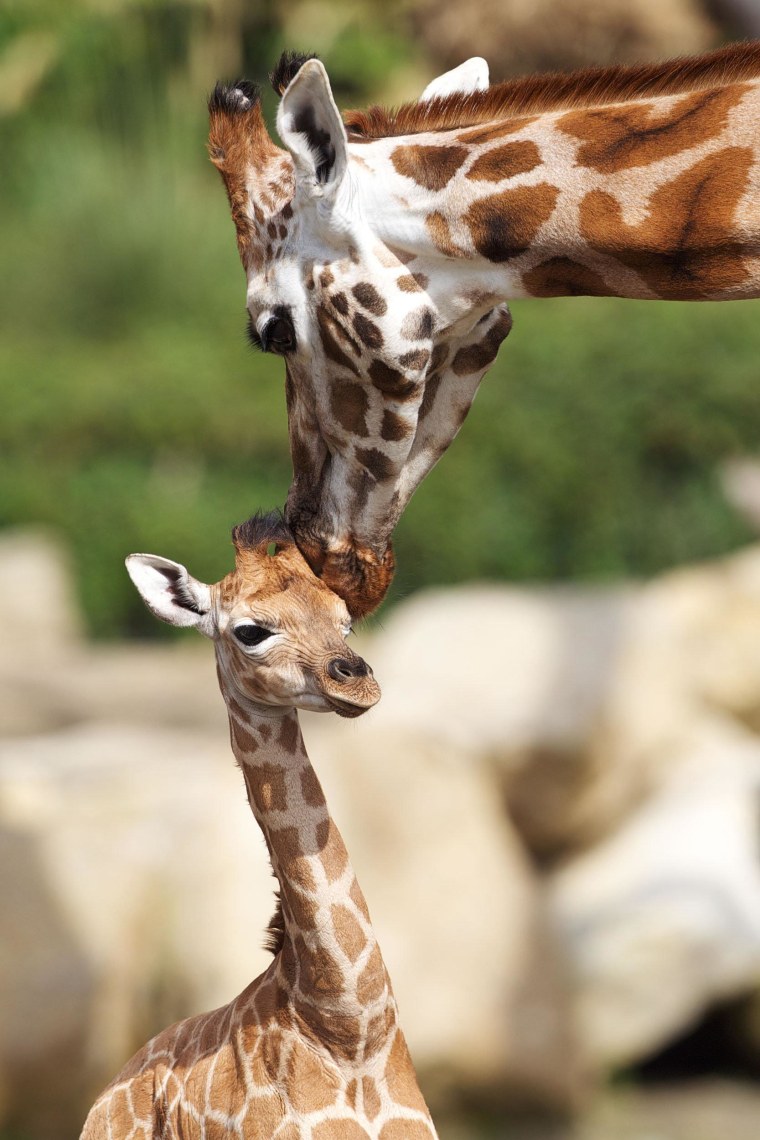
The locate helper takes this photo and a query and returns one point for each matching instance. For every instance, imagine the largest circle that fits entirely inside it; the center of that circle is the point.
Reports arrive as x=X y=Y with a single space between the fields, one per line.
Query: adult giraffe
x=312 y=1049
x=379 y=250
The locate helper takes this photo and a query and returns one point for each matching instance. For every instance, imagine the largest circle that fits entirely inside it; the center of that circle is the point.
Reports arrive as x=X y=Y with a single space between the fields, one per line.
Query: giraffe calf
x=312 y=1049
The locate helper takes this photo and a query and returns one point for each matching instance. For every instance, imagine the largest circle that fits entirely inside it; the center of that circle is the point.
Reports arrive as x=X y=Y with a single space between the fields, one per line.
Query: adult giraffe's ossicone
x=379 y=250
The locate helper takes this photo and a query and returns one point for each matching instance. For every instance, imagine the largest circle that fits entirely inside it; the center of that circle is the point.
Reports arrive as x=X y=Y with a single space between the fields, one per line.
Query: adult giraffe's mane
x=554 y=91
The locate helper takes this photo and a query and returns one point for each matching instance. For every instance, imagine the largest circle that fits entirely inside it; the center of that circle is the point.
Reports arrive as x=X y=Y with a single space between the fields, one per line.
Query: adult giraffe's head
x=381 y=363
x=279 y=632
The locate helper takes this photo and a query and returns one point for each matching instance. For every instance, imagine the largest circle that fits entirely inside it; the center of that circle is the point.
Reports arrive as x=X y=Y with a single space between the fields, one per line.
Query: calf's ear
x=170 y=592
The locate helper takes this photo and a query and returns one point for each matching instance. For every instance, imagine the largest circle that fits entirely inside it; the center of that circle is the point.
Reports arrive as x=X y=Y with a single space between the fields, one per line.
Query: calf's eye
x=250 y=634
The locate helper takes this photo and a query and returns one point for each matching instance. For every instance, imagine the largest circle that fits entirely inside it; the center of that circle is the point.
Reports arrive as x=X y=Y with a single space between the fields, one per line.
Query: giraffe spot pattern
x=320 y=973
x=505 y=162
x=328 y=327
x=226 y=1094
x=372 y=980
x=371 y=1097
x=268 y=785
x=417 y=359
x=290 y=734
x=309 y=1083
x=376 y=462
x=367 y=331
x=687 y=247
x=563 y=277
x=332 y=850
x=432 y=384
x=402 y=1129
x=430 y=166
x=291 y=858
x=369 y=298
x=393 y=427
x=400 y=1078
x=357 y=898
x=391 y=381
x=241 y=739
x=301 y=909
x=418 y=325
x=339 y=1130
x=310 y=788
x=504 y=225
x=402 y=255
x=475 y=357
x=440 y=234
x=349 y=404
x=351 y=937
x=476 y=136
x=620 y=137
x=412 y=282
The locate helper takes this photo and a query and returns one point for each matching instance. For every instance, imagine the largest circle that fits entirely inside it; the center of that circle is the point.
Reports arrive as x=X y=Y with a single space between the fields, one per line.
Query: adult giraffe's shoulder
x=380 y=248
x=312 y=1049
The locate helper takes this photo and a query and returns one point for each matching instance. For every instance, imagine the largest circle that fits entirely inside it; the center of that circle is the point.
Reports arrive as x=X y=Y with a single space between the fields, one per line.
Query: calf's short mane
x=261 y=529
x=554 y=91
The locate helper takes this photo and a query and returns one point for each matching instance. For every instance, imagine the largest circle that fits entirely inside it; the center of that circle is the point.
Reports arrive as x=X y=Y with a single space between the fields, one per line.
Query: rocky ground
x=689 y=1110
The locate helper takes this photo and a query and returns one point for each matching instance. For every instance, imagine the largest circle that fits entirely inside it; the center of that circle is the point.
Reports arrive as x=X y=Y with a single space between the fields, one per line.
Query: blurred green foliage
x=135 y=417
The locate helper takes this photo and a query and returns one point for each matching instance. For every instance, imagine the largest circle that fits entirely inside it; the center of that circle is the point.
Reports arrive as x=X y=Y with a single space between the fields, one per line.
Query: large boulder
x=662 y=920
x=136 y=890
x=523 y=677
x=459 y=912
x=39 y=614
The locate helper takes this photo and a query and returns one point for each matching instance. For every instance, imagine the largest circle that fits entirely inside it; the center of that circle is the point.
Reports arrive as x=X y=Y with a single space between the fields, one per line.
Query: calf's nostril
x=341 y=669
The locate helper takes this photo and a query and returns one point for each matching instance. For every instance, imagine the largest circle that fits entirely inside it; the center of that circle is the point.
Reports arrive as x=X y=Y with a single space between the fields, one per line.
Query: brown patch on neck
x=505 y=225
x=617 y=138
x=556 y=91
x=563 y=277
x=430 y=166
x=440 y=234
x=505 y=162
x=687 y=248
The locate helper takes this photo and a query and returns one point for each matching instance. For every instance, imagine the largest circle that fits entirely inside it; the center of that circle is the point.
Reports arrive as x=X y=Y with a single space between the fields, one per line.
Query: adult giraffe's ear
x=472 y=75
x=170 y=592
x=310 y=126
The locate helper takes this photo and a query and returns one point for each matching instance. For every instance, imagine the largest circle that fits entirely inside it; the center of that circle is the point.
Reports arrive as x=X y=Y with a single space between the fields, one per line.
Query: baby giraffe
x=312 y=1049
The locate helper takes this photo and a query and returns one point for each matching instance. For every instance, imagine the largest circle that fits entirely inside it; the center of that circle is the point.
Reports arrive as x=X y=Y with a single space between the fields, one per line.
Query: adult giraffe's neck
x=650 y=198
x=330 y=961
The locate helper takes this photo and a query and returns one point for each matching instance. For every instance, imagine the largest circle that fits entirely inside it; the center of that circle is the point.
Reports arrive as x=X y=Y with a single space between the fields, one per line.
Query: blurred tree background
x=135 y=417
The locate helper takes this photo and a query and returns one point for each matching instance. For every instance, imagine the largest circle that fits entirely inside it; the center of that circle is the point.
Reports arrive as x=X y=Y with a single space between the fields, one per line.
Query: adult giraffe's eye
x=250 y=634
x=278 y=335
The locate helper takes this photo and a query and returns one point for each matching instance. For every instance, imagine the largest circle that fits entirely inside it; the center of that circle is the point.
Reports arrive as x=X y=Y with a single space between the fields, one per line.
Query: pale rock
x=136 y=890
x=662 y=919
x=458 y=910
x=523 y=677
x=39 y=614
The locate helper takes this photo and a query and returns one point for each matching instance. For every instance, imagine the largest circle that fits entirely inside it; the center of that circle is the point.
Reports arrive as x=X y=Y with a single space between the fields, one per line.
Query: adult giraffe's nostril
x=341 y=669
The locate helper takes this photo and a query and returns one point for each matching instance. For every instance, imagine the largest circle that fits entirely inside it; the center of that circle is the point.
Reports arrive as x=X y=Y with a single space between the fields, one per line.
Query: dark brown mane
x=535 y=94
x=261 y=529
x=274 y=935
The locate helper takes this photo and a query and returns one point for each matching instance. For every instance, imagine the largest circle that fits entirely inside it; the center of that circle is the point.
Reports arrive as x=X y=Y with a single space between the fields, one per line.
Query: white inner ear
x=310 y=126
x=472 y=75
x=170 y=592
